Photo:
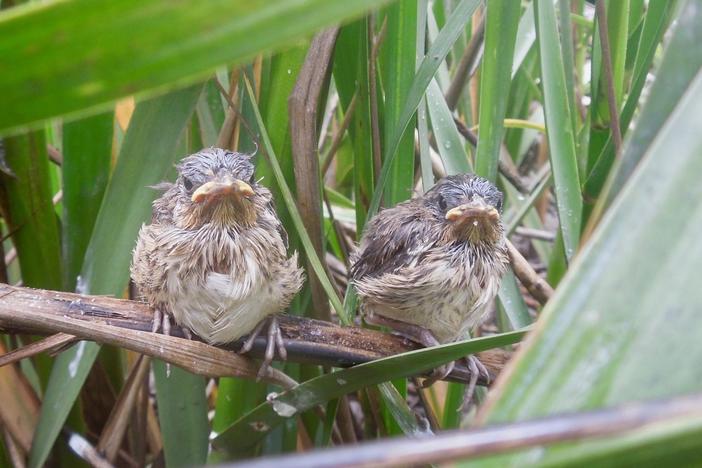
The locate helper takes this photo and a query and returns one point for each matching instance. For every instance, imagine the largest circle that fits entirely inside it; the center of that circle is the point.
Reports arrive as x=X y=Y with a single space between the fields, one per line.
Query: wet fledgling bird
x=214 y=257
x=429 y=267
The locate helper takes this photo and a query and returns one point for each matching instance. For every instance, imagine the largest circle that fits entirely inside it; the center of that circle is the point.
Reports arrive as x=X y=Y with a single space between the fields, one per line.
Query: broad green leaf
x=182 y=413
x=210 y=113
x=329 y=386
x=85 y=54
x=617 y=319
x=496 y=74
x=558 y=126
x=87 y=156
x=150 y=141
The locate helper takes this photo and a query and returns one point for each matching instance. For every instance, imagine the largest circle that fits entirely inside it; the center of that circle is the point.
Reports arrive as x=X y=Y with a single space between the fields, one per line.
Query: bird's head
x=215 y=186
x=468 y=207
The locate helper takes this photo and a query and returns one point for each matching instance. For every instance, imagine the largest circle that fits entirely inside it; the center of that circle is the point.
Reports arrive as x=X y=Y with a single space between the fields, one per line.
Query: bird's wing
x=164 y=206
x=396 y=238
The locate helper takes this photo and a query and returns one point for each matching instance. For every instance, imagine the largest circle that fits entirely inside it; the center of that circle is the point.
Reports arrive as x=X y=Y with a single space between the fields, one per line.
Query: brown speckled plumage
x=215 y=254
x=434 y=262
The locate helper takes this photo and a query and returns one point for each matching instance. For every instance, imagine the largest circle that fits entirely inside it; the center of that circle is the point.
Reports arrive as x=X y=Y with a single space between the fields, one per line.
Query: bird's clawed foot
x=476 y=369
x=162 y=321
x=420 y=335
x=273 y=343
x=439 y=373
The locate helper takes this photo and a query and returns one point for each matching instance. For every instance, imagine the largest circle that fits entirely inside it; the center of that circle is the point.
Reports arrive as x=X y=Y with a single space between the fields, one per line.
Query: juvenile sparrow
x=215 y=254
x=429 y=267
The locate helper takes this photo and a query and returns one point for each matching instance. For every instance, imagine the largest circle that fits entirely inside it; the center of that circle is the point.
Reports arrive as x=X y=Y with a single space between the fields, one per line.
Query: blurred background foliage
x=586 y=114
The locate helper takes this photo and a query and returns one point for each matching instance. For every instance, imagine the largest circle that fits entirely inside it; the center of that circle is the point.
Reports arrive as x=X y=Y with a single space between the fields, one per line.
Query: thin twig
x=50 y=344
x=339 y=135
x=233 y=108
x=535 y=234
x=601 y=13
x=466 y=66
x=535 y=284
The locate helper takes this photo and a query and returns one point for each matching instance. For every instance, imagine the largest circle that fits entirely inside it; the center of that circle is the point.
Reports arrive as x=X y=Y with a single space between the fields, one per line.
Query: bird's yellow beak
x=219 y=189
x=477 y=208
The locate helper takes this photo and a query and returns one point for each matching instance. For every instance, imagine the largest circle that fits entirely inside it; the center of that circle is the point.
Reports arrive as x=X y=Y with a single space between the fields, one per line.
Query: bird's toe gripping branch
x=274 y=342
x=162 y=321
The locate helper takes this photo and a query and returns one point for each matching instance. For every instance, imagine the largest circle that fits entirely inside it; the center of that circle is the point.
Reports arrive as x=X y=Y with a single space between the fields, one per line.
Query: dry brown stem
x=126 y=324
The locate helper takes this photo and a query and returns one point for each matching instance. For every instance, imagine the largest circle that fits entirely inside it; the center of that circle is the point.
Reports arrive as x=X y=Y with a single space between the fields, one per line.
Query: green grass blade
x=82 y=55
x=329 y=386
x=210 y=113
x=126 y=205
x=425 y=73
x=558 y=126
x=276 y=88
x=68 y=373
x=657 y=18
x=396 y=405
x=679 y=68
x=448 y=141
x=526 y=35
x=500 y=33
x=511 y=304
x=422 y=124
x=295 y=214
x=398 y=61
x=397 y=64
x=182 y=413
x=87 y=156
x=603 y=349
x=351 y=78
x=29 y=211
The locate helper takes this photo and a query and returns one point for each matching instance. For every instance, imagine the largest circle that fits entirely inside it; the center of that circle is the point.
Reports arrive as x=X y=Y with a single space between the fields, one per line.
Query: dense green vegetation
x=588 y=119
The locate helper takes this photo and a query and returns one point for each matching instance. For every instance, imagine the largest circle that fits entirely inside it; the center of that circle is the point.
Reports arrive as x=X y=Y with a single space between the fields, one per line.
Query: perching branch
x=127 y=324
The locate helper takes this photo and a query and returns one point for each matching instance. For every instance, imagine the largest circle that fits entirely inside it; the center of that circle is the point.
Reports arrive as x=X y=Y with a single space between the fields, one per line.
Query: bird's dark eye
x=442 y=203
x=187 y=183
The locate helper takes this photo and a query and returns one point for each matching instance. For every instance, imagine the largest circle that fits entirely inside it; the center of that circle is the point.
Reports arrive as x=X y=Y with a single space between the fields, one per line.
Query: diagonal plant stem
x=339 y=135
x=467 y=65
x=601 y=12
x=450 y=446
